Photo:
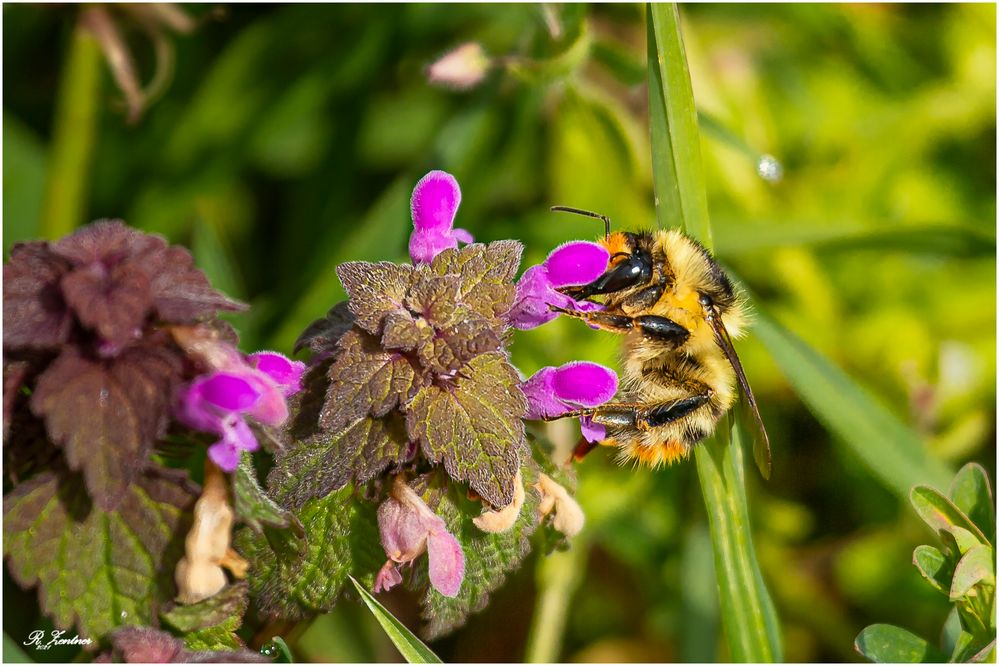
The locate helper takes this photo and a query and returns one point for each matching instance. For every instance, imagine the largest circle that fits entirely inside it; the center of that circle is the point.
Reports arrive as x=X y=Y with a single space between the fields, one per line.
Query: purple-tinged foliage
x=570 y=264
x=144 y=645
x=552 y=392
x=99 y=302
x=434 y=205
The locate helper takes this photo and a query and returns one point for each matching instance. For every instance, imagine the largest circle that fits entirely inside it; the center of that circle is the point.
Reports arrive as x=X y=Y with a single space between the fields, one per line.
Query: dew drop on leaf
x=769 y=169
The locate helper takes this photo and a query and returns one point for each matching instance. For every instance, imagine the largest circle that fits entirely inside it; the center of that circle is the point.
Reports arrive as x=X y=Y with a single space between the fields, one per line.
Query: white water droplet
x=123 y=615
x=769 y=169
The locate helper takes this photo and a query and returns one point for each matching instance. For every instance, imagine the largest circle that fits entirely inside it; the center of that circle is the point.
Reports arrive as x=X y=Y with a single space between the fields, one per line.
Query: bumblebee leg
x=641 y=416
x=651 y=326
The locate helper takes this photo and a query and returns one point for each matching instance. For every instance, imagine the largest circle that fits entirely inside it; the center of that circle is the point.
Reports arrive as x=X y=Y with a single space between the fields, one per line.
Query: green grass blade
x=410 y=647
x=890 y=449
x=748 y=614
x=681 y=198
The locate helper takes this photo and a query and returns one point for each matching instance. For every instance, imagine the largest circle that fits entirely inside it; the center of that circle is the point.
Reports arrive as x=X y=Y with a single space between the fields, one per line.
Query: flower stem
x=559 y=576
x=72 y=136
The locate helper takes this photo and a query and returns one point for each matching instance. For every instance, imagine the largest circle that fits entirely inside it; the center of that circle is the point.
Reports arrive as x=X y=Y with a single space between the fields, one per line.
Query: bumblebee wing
x=761 y=442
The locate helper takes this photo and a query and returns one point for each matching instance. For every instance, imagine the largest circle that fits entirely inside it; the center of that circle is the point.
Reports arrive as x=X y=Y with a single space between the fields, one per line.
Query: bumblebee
x=679 y=312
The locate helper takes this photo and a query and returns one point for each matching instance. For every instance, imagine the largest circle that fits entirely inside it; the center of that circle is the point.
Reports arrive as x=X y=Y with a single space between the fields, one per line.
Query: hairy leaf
x=404 y=332
x=342 y=537
x=486 y=274
x=113 y=301
x=365 y=380
x=34 y=312
x=253 y=506
x=435 y=299
x=474 y=426
x=489 y=557
x=375 y=290
x=450 y=349
x=178 y=291
x=316 y=467
x=147 y=645
x=93 y=569
x=107 y=414
x=211 y=624
x=322 y=335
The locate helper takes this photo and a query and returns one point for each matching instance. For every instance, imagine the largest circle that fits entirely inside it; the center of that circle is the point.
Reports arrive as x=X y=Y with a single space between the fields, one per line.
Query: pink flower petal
x=224 y=454
x=425 y=244
x=542 y=399
x=534 y=295
x=402 y=529
x=284 y=372
x=592 y=432
x=227 y=391
x=447 y=563
x=463 y=236
x=435 y=201
x=387 y=578
x=585 y=384
x=576 y=262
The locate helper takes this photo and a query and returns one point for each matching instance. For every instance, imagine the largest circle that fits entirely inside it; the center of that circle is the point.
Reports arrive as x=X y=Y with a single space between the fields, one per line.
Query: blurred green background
x=288 y=139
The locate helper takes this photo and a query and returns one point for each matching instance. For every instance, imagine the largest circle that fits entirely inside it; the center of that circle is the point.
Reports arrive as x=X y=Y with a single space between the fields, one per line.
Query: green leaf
x=891 y=450
x=97 y=570
x=474 y=426
x=413 y=650
x=681 y=197
x=885 y=643
x=317 y=466
x=485 y=274
x=341 y=534
x=211 y=624
x=278 y=650
x=972 y=494
x=366 y=380
x=747 y=611
x=934 y=566
x=252 y=505
x=941 y=515
x=489 y=557
x=974 y=567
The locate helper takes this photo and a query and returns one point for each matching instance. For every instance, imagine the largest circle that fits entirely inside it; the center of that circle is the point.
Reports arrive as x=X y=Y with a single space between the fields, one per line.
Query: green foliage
x=211 y=624
x=342 y=538
x=121 y=562
x=413 y=650
x=964 y=571
x=749 y=616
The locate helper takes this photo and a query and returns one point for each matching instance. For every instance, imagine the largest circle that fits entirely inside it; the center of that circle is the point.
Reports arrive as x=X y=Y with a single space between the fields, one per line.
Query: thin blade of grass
x=748 y=614
x=681 y=198
x=890 y=449
x=410 y=647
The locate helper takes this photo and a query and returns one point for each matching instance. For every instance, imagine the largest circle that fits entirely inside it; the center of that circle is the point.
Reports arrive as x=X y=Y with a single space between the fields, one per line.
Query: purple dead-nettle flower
x=552 y=392
x=570 y=264
x=220 y=401
x=434 y=204
x=408 y=528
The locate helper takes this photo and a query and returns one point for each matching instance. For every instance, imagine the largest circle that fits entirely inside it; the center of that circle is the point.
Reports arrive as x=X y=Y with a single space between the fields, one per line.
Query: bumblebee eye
x=705 y=300
x=635 y=270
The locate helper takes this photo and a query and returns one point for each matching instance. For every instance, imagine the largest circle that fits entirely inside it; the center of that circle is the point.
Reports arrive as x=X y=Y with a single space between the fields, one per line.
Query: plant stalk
x=73 y=136
x=559 y=576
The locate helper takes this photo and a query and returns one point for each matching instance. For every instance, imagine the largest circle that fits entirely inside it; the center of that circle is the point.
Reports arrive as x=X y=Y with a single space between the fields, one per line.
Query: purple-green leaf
x=35 y=314
x=211 y=624
x=473 y=426
x=486 y=274
x=94 y=569
x=375 y=290
x=106 y=415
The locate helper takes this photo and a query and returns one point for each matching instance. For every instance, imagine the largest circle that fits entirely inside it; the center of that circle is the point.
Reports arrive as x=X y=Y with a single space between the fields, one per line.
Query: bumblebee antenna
x=580 y=211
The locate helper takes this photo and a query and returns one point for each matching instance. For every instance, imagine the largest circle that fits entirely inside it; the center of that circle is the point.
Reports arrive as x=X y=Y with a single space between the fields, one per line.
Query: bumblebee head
x=630 y=265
